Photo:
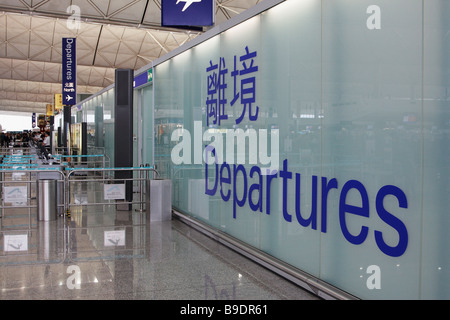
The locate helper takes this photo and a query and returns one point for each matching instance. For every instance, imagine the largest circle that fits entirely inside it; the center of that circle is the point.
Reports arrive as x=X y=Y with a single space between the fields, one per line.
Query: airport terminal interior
x=225 y=150
x=161 y=260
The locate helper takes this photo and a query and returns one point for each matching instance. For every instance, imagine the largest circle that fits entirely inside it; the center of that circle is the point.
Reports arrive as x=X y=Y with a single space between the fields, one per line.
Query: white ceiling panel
x=111 y=34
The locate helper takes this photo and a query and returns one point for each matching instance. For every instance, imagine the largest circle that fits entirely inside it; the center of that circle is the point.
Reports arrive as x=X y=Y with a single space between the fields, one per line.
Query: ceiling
x=110 y=34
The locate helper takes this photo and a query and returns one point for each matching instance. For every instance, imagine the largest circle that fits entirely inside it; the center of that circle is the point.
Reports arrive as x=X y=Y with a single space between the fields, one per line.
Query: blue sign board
x=69 y=70
x=187 y=12
x=144 y=78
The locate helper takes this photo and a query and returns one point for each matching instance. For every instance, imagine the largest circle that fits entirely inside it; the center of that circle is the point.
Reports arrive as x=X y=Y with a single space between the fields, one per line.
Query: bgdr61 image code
x=245 y=309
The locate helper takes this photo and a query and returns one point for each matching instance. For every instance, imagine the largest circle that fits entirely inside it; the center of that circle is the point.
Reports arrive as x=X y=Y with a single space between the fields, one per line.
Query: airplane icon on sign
x=187 y=3
x=69 y=98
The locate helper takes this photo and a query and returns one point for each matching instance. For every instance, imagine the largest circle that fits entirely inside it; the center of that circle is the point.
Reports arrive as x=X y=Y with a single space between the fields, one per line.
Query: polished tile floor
x=105 y=254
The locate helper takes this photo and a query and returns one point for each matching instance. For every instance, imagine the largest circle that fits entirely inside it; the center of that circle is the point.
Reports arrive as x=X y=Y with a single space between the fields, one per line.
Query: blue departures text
x=228 y=177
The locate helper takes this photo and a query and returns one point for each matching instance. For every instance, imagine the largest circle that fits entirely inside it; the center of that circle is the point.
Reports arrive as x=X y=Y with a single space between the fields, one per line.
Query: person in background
x=46 y=139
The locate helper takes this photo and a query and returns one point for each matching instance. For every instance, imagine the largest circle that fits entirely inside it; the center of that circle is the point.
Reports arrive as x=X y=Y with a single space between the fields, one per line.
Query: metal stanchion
x=141 y=196
x=47 y=203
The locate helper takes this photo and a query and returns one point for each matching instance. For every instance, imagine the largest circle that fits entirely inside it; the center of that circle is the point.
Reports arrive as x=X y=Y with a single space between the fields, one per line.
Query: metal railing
x=143 y=180
x=25 y=149
x=66 y=178
x=50 y=242
x=9 y=195
x=84 y=161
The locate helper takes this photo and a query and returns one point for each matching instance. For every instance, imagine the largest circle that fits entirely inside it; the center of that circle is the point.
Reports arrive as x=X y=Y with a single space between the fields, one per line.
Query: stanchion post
x=147 y=191
x=141 y=184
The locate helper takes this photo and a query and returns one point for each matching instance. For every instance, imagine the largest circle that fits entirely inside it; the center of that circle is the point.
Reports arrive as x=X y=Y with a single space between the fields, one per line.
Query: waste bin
x=47 y=206
x=50 y=175
x=160 y=200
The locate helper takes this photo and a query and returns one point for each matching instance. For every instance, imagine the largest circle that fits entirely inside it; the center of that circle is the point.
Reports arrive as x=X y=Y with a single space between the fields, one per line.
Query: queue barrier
x=32 y=238
x=84 y=161
x=28 y=235
x=17 y=193
x=72 y=176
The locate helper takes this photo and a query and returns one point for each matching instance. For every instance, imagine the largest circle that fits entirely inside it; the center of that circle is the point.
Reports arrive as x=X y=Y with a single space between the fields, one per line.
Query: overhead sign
x=50 y=110
x=144 y=78
x=187 y=12
x=58 y=101
x=69 y=67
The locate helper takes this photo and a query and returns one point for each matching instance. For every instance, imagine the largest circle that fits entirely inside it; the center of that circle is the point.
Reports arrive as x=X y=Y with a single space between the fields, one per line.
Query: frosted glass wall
x=356 y=93
x=98 y=113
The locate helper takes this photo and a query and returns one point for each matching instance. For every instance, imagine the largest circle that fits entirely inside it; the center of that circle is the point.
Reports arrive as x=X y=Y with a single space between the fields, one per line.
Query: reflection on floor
x=102 y=253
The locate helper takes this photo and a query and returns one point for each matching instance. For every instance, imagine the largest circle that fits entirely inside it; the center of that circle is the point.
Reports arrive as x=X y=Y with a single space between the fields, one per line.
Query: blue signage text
x=228 y=177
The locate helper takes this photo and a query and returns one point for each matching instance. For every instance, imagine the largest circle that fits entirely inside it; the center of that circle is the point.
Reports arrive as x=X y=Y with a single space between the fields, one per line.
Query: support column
x=123 y=127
